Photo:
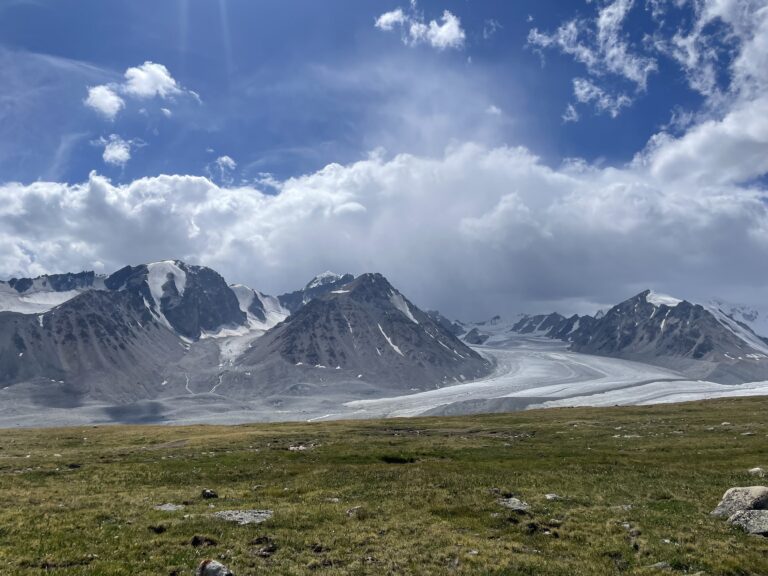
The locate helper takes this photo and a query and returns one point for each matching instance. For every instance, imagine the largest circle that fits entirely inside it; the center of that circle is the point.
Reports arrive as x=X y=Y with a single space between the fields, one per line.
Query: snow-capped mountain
x=193 y=301
x=700 y=340
x=34 y=295
x=757 y=320
x=319 y=285
x=367 y=330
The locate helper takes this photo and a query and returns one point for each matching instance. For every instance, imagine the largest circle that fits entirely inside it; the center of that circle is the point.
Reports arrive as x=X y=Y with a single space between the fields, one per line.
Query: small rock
x=751 y=521
x=661 y=566
x=515 y=504
x=169 y=507
x=725 y=424
x=738 y=499
x=202 y=541
x=208 y=494
x=244 y=517
x=213 y=568
x=757 y=472
x=159 y=529
x=747 y=433
x=552 y=497
x=354 y=512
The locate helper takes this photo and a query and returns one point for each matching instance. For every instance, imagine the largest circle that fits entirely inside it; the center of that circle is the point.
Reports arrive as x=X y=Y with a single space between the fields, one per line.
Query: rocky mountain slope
x=364 y=330
x=318 y=286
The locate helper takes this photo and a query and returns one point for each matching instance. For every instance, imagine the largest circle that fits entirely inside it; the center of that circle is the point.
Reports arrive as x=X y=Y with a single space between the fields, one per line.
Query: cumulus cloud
x=105 y=101
x=117 y=151
x=150 y=80
x=575 y=233
x=442 y=34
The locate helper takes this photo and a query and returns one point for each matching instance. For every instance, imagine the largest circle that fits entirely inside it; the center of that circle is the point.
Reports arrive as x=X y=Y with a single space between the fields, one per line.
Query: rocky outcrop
x=740 y=499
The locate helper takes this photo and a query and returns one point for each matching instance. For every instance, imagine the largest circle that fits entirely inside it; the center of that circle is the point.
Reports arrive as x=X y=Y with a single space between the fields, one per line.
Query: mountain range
x=177 y=334
x=144 y=332
x=705 y=341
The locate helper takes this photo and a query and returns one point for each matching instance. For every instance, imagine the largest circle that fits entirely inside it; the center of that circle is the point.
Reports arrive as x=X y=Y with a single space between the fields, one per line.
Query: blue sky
x=511 y=111
x=287 y=87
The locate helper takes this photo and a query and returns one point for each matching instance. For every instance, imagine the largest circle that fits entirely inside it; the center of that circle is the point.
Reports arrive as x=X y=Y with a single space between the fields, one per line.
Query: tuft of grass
x=420 y=497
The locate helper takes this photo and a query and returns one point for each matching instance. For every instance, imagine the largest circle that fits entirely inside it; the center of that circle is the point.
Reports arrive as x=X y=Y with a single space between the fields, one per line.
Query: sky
x=486 y=156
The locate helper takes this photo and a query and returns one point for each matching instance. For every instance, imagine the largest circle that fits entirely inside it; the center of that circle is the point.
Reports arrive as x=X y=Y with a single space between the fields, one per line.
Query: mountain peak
x=322 y=279
x=658 y=299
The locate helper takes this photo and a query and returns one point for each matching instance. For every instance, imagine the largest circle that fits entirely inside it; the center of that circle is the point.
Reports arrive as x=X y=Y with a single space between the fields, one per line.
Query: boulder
x=213 y=568
x=739 y=499
x=751 y=521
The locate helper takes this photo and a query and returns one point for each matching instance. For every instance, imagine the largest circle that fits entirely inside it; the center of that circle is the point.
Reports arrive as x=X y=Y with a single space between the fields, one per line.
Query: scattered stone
x=661 y=566
x=202 y=541
x=751 y=521
x=725 y=424
x=515 y=504
x=159 y=529
x=757 y=472
x=265 y=551
x=747 y=433
x=169 y=507
x=355 y=511
x=552 y=497
x=739 y=499
x=213 y=568
x=333 y=500
x=209 y=494
x=244 y=517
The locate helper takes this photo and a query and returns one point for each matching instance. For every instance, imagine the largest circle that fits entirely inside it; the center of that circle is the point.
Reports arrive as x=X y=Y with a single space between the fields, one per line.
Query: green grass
x=427 y=491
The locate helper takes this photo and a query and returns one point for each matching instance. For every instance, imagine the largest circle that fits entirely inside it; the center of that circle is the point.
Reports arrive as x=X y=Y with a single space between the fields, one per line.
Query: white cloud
x=443 y=34
x=600 y=45
x=389 y=20
x=105 y=101
x=117 y=151
x=587 y=92
x=493 y=110
x=221 y=169
x=577 y=231
x=490 y=28
x=226 y=162
x=570 y=114
x=150 y=80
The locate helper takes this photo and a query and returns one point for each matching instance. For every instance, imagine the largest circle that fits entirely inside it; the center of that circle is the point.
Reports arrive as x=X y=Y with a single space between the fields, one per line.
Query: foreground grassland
x=81 y=500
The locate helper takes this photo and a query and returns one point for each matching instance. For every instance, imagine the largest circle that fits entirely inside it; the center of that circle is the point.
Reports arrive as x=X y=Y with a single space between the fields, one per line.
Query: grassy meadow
x=418 y=496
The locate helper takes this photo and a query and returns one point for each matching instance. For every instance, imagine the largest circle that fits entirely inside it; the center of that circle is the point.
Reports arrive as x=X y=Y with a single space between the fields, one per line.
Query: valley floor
x=635 y=486
x=530 y=373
